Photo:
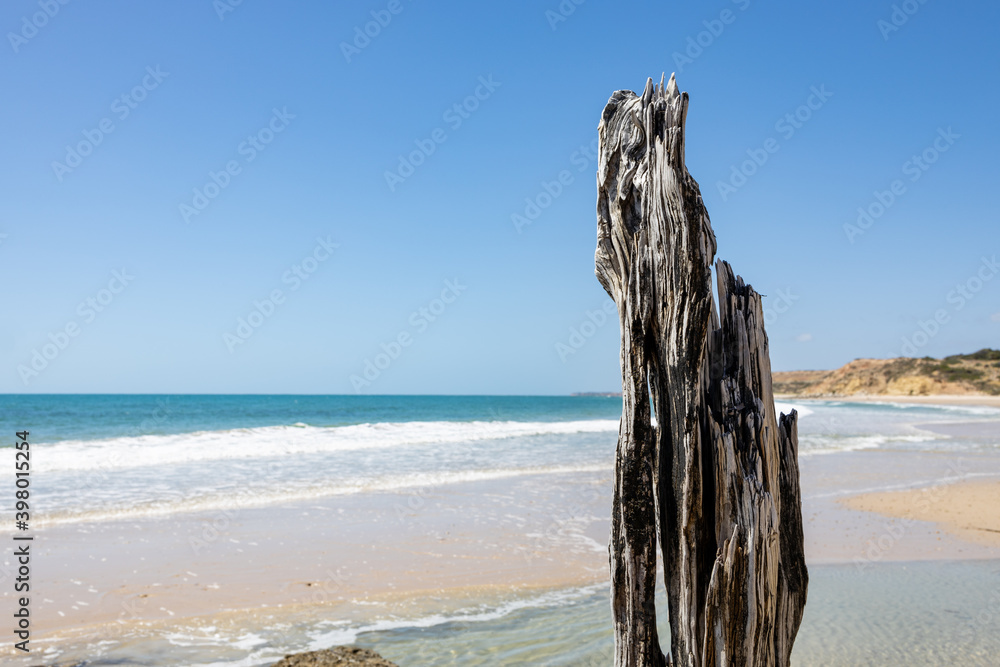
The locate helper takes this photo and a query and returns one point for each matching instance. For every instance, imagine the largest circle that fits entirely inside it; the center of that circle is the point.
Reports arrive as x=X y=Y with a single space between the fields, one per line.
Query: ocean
x=108 y=460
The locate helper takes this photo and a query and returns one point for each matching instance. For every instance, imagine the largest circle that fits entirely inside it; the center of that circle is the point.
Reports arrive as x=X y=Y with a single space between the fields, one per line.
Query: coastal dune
x=975 y=376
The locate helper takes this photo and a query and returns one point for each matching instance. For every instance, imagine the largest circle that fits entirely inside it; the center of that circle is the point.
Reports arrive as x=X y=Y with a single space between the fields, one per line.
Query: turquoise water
x=53 y=418
x=171 y=454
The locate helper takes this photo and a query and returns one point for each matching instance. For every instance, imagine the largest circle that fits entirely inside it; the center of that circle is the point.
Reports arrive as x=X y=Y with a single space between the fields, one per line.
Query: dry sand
x=836 y=531
x=968 y=510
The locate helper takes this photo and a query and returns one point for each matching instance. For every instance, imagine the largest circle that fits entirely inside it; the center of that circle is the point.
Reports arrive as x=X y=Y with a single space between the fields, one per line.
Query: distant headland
x=976 y=374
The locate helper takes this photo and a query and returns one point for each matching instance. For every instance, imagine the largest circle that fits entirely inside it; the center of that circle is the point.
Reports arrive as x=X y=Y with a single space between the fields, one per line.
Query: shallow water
x=910 y=614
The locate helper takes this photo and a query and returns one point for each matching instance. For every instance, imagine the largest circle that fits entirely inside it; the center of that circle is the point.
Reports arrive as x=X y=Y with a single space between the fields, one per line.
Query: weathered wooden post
x=715 y=478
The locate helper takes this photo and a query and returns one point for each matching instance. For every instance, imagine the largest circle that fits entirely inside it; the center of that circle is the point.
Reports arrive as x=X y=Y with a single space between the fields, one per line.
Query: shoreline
x=838 y=532
x=930 y=399
x=355 y=553
x=968 y=510
x=405 y=554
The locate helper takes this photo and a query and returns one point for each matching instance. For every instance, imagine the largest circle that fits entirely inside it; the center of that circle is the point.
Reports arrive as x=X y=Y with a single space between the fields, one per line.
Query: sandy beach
x=444 y=549
x=463 y=541
x=968 y=510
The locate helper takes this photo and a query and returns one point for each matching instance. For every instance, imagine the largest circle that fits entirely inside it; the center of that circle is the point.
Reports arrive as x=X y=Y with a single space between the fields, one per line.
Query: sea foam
x=279 y=441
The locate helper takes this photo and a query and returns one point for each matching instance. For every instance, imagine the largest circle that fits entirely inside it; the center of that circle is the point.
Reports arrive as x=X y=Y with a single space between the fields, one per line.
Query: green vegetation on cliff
x=959 y=374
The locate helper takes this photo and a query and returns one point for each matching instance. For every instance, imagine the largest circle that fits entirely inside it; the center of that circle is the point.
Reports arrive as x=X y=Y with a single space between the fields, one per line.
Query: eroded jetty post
x=713 y=481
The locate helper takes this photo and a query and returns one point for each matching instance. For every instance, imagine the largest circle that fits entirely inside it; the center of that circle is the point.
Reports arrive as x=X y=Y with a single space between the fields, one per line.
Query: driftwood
x=714 y=478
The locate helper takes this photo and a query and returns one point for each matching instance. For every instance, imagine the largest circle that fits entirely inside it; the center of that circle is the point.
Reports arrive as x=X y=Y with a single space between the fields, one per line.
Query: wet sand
x=967 y=510
x=837 y=531
x=469 y=541
x=983 y=430
x=460 y=540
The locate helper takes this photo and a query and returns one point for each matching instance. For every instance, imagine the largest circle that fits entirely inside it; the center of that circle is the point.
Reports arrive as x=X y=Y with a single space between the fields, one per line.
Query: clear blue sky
x=218 y=77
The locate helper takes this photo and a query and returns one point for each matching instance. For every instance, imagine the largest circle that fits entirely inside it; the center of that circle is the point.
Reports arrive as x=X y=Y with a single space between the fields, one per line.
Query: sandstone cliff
x=960 y=374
